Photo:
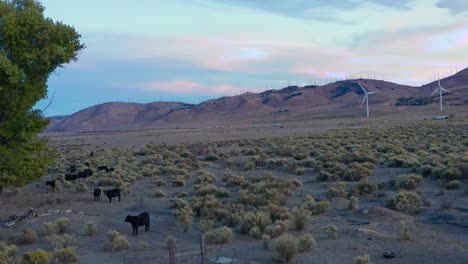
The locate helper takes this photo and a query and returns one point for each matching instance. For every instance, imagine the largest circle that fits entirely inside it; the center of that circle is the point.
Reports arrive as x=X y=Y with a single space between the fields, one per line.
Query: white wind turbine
x=441 y=91
x=366 y=98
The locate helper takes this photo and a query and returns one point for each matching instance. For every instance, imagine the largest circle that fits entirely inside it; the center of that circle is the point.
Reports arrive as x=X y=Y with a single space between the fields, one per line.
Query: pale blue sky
x=192 y=50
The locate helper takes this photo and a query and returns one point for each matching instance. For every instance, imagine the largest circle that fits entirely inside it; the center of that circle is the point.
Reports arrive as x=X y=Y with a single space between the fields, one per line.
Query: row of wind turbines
x=439 y=89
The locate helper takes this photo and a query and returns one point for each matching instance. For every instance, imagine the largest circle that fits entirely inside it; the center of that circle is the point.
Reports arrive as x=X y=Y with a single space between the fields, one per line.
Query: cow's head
x=127 y=219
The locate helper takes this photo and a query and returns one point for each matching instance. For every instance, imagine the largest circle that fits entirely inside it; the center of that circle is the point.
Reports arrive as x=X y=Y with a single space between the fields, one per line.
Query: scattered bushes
x=353 y=203
x=286 y=248
x=299 y=218
x=184 y=216
x=64 y=241
x=453 y=185
x=64 y=255
x=330 y=231
x=306 y=243
x=159 y=193
x=365 y=187
x=7 y=253
x=338 y=190
x=219 y=235
x=26 y=237
x=82 y=187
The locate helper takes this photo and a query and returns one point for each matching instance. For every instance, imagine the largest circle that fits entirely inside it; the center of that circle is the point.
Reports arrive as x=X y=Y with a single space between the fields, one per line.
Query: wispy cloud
x=181 y=87
x=454 y=6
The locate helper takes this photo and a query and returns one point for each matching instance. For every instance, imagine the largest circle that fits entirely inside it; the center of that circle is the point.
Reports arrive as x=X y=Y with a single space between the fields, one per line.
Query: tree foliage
x=32 y=47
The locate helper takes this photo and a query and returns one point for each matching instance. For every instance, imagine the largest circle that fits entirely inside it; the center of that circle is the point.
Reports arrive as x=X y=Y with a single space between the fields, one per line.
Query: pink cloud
x=181 y=87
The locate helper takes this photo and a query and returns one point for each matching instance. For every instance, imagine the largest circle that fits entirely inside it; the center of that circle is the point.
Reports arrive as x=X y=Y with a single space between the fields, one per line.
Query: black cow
x=51 y=184
x=97 y=194
x=85 y=173
x=100 y=168
x=109 y=170
x=112 y=193
x=71 y=177
x=139 y=220
x=72 y=169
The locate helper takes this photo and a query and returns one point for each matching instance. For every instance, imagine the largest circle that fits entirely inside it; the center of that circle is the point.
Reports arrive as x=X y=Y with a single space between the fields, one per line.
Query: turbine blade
x=372 y=92
x=445 y=90
x=364 y=99
x=362 y=88
x=435 y=91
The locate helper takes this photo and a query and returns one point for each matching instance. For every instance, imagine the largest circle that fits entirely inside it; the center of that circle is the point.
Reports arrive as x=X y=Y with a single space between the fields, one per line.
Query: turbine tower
x=366 y=98
x=441 y=91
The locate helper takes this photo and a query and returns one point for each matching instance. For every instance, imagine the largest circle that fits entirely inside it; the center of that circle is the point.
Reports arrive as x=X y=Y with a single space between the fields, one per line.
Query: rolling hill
x=335 y=100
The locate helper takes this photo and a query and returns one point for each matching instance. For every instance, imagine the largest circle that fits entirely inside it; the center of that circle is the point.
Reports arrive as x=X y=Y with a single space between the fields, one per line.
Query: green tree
x=32 y=47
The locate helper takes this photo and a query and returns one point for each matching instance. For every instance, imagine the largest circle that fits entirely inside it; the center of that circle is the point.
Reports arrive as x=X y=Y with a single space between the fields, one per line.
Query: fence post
x=203 y=249
x=171 y=244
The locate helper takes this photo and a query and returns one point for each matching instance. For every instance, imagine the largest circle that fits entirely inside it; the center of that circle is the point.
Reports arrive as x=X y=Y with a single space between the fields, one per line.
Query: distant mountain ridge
x=338 y=99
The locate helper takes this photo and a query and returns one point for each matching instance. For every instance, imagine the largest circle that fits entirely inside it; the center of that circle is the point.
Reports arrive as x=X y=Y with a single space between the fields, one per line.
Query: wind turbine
x=366 y=98
x=441 y=91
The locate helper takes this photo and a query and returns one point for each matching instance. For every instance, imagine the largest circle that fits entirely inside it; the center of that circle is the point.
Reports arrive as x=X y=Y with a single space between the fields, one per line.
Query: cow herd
x=135 y=221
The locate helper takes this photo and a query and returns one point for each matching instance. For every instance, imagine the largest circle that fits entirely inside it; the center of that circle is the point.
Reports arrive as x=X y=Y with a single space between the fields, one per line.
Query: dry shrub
x=278 y=212
x=316 y=207
x=405 y=231
x=299 y=171
x=286 y=248
x=63 y=225
x=205 y=178
x=266 y=241
x=330 y=231
x=338 y=190
x=182 y=195
x=233 y=180
x=206 y=206
x=178 y=182
x=64 y=255
x=176 y=203
x=36 y=257
x=66 y=240
x=365 y=259
x=255 y=232
x=365 y=187
x=250 y=220
x=116 y=241
x=205 y=225
x=306 y=243
x=222 y=193
x=159 y=193
x=454 y=184
x=220 y=235
x=48 y=228
x=89 y=229
x=356 y=171
x=299 y=219
x=408 y=181
x=141 y=246
x=184 y=217
x=407 y=202
x=82 y=187
x=26 y=237
x=7 y=253
x=277 y=229
x=353 y=203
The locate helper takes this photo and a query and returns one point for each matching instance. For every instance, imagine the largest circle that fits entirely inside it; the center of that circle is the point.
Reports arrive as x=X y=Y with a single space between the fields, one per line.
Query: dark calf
x=97 y=194
x=112 y=193
x=100 y=168
x=139 y=220
x=51 y=184
x=71 y=177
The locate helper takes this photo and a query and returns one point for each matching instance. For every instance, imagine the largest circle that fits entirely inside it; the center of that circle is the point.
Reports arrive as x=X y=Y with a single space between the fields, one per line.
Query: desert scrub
x=364 y=259
x=299 y=219
x=178 y=182
x=26 y=237
x=330 y=231
x=63 y=241
x=64 y=255
x=338 y=190
x=116 y=241
x=353 y=203
x=206 y=206
x=184 y=217
x=278 y=212
x=356 y=171
x=277 y=229
x=314 y=207
x=205 y=225
x=408 y=181
x=405 y=231
x=159 y=193
x=286 y=248
x=141 y=246
x=176 y=203
x=306 y=243
x=82 y=187
x=454 y=184
x=35 y=257
x=408 y=202
x=63 y=225
x=233 y=180
x=299 y=171
x=7 y=253
x=205 y=177
x=365 y=187
x=249 y=166
x=89 y=229
x=251 y=220
x=266 y=241
x=219 y=235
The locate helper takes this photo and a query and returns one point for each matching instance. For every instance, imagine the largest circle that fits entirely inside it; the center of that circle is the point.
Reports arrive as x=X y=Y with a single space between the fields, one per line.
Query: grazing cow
x=85 y=173
x=87 y=164
x=100 y=168
x=91 y=154
x=51 y=184
x=112 y=193
x=97 y=194
x=109 y=170
x=71 y=177
x=139 y=220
